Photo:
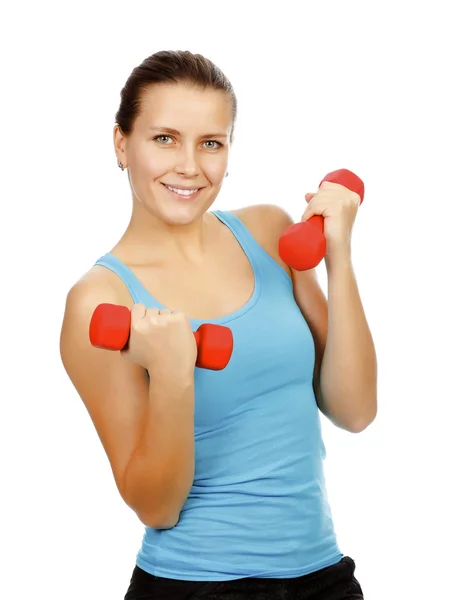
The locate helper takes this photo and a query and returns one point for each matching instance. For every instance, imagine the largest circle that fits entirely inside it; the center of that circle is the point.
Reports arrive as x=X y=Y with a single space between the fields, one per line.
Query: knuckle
x=137 y=310
x=136 y=324
x=356 y=198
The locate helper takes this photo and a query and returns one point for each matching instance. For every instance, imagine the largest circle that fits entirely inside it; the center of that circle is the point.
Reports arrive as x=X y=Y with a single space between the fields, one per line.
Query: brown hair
x=170 y=66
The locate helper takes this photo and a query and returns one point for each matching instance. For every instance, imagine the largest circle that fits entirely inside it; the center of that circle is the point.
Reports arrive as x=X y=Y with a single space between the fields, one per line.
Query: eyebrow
x=175 y=132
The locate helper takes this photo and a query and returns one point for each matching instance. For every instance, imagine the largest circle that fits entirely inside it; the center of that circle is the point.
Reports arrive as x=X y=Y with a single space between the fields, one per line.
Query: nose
x=186 y=162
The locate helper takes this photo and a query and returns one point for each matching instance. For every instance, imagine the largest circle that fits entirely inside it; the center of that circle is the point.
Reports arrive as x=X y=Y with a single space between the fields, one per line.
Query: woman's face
x=177 y=154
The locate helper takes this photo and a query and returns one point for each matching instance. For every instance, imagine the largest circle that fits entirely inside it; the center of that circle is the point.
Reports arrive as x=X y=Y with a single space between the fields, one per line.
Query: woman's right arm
x=146 y=429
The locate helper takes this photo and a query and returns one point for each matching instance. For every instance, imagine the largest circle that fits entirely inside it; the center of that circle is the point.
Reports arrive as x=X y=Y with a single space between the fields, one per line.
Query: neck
x=148 y=239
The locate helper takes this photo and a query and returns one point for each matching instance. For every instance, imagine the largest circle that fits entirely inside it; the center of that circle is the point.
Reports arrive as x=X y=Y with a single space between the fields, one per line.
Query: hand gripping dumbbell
x=303 y=245
x=110 y=329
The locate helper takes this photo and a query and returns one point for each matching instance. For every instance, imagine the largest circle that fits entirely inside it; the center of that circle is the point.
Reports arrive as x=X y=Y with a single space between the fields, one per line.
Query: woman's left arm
x=346 y=388
x=345 y=376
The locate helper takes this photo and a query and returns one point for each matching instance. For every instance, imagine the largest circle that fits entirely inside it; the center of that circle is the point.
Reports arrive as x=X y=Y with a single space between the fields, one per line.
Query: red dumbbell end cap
x=110 y=327
x=215 y=346
x=302 y=246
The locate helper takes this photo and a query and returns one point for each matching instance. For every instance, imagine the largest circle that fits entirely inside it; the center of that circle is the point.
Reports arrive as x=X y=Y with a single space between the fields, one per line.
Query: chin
x=181 y=216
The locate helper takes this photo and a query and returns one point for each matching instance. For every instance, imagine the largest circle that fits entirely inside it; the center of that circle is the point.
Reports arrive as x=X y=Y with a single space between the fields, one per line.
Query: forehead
x=185 y=108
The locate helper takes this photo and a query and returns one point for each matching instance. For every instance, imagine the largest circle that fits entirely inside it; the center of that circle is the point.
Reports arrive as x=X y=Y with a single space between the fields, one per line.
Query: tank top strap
x=137 y=291
x=261 y=261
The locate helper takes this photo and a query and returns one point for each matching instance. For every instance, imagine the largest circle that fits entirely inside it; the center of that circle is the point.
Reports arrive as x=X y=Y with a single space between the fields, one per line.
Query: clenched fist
x=161 y=341
x=339 y=206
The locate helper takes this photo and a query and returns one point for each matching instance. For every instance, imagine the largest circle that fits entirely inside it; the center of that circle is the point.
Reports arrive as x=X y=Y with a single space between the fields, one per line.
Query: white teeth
x=182 y=192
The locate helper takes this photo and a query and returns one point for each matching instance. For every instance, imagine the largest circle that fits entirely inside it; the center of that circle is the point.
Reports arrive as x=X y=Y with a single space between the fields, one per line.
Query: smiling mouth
x=181 y=192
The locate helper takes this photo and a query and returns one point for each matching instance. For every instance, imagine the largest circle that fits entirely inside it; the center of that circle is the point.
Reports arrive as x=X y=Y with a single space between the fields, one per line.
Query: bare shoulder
x=98 y=284
x=266 y=223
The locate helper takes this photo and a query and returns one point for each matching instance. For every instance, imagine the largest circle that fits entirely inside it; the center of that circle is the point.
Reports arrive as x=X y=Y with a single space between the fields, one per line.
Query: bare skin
x=191 y=263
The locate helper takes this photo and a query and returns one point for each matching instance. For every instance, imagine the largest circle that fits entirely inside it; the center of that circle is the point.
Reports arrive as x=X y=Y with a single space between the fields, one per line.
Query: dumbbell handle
x=110 y=328
x=303 y=245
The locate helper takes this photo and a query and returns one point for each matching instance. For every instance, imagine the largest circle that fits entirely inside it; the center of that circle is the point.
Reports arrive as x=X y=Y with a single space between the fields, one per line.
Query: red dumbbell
x=110 y=329
x=303 y=245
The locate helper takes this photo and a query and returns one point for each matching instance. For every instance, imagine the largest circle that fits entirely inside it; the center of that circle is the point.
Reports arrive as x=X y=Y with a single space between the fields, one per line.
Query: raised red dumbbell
x=110 y=329
x=303 y=245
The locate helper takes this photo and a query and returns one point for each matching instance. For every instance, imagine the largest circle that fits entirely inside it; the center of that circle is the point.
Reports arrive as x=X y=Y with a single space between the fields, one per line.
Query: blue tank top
x=258 y=505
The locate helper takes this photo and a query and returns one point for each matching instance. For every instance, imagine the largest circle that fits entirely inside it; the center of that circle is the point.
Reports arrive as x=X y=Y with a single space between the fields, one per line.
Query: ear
x=119 y=146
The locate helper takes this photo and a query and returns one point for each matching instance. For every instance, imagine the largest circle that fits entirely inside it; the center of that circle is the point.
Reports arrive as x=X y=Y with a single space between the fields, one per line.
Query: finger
x=165 y=314
x=309 y=197
x=331 y=185
x=152 y=314
x=309 y=212
x=138 y=311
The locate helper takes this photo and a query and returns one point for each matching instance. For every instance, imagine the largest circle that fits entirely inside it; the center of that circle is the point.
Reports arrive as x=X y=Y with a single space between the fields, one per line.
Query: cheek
x=156 y=163
x=152 y=164
x=215 y=170
x=156 y=168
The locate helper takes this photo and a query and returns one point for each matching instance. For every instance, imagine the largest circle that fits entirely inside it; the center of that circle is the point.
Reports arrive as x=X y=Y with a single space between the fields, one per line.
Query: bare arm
x=146 y=430
x=160 y=472
x=349 y=365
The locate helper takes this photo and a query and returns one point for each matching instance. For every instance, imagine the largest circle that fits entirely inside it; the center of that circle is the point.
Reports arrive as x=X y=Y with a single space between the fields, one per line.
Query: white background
x=321 y=85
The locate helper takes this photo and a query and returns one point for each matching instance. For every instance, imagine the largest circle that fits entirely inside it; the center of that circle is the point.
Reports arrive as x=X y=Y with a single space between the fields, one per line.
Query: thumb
x=308 y=209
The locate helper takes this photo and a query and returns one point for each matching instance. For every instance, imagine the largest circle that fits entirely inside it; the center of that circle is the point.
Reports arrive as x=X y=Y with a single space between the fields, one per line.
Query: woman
x=224 y=468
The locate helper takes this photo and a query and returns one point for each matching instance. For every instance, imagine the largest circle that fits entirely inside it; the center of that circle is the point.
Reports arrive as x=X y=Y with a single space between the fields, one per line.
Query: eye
x=161 y=137
x=219 y=145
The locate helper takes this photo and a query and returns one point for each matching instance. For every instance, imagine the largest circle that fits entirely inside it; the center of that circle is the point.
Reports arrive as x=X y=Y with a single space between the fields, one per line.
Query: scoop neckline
x=236 y=314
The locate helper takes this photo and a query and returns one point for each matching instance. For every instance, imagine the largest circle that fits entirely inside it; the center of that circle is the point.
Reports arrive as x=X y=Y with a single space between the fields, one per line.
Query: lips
x=182 y=193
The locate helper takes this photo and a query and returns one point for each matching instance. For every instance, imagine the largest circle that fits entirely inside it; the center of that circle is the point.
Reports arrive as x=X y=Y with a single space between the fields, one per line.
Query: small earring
x=120 y=165
x=226 y=174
